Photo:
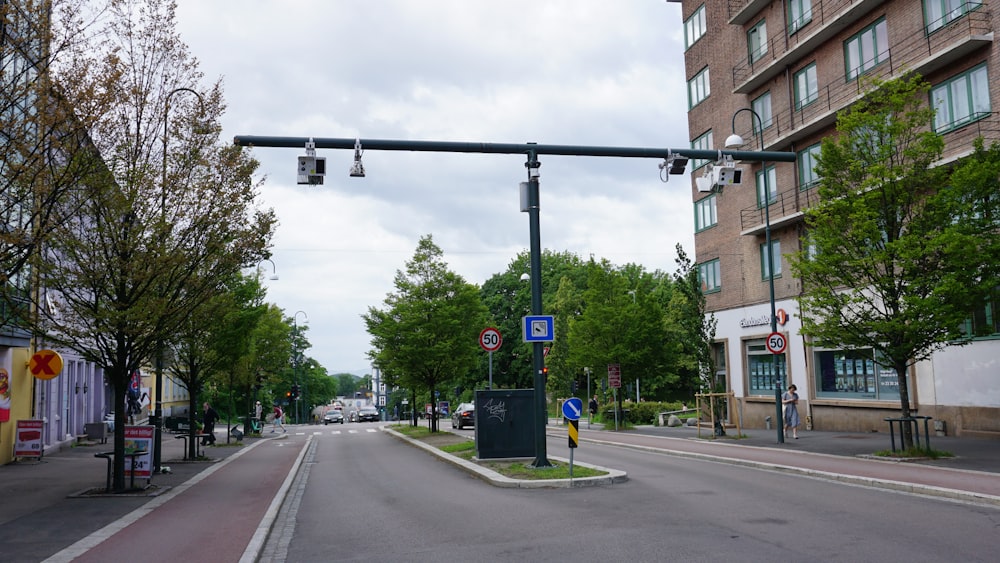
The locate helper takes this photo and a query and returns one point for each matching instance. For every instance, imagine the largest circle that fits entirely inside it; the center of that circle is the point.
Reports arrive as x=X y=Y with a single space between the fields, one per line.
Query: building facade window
x=806 y=86
x=799 y=14
x=766 y=194
x=698 y=88
x=705 y=215
x=807 y=167
x=710 y=275
x=766 y=371
x=757 y=41
x=704 y=142
x=938 y=13
x=854 y=374
x=866 y=49
x=961 y=100
x=766 y=262
x=985 y=320
x=694 y=27
x=762 y=107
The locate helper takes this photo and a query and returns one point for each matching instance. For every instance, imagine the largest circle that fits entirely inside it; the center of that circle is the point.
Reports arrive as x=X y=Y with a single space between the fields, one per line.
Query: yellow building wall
x=21 y=389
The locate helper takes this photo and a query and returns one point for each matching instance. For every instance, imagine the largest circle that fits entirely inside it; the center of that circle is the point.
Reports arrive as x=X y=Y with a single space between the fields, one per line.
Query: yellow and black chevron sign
x=573 y=429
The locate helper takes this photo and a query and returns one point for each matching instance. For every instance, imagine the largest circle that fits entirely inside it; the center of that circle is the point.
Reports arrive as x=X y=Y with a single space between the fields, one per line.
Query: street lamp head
x=734 y=140
x=525 y=277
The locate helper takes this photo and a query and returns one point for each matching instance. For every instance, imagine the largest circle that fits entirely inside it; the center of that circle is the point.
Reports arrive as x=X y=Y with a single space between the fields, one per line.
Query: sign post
x=572 y=409
x=490 y=340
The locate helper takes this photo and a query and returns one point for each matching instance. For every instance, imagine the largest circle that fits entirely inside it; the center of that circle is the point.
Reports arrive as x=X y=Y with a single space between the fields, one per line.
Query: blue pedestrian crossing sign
x=538 y=328
x=572 y=408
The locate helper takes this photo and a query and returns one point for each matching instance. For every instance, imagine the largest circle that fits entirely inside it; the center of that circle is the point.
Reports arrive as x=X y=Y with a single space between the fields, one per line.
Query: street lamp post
x=295 y=357
x=157 y=418
x=732 y=141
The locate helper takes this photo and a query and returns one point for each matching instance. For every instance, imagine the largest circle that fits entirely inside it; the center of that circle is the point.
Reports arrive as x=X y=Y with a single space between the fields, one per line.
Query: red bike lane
x=212 y=519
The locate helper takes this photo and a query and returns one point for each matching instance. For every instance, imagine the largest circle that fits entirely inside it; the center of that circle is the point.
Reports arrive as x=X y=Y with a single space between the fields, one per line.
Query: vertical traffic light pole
x=537 y=353
x=531 y=150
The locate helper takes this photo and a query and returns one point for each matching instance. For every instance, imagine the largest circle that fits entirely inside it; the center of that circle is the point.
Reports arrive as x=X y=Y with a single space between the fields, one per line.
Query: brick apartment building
x=796 y=63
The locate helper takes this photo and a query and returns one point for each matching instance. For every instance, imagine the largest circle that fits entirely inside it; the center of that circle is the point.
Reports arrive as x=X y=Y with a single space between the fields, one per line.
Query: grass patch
x=914 y=453
x=462 y=447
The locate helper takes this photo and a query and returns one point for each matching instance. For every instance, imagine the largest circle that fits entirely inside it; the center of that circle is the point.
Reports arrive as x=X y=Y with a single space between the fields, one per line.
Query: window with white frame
x=799 y=14
x=761 y=105
x=757 y=41
x=694 y=27
x=698 y=88
x=704 y=142
x=704 y=213
x=806 y=86
x=765 y=260
x=866 y=49
x=710 y=276
x=766 y=193
x=807 y=166
x=938 y=13
x=962 y=99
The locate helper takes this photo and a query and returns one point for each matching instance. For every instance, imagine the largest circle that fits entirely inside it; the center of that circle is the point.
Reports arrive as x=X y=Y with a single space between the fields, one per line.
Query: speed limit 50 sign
x=776 y=343
x=490 y=339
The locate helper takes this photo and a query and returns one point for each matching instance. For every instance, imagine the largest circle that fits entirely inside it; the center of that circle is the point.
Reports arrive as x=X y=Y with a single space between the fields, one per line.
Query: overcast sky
x=571 y=72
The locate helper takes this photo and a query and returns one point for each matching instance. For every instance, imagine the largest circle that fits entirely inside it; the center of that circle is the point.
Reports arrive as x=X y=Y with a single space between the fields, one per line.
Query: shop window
x=854 y=374
x=767 y=371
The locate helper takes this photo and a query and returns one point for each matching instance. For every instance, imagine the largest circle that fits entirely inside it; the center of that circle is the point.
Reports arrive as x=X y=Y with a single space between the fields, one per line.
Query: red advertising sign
x=4 y=396
x=139 y=438
x=28 y=439
x=615 y=376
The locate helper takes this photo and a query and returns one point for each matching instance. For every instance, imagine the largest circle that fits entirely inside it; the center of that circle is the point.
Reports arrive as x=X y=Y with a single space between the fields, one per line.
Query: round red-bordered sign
x=776 y=343
x=490 y=339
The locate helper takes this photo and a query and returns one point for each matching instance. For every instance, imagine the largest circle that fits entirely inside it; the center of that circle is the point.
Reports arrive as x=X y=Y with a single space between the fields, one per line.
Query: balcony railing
x=786 y=207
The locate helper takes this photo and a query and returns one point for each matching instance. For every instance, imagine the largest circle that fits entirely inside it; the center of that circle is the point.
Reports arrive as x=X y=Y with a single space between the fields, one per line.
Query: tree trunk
x=906 y=430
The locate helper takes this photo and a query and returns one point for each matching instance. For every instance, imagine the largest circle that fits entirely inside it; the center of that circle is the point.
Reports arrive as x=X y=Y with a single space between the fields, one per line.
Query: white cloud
x=565 y=72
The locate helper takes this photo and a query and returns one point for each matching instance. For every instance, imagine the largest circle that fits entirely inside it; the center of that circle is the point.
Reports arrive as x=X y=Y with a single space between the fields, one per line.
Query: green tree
x=895 y=259
x=428 y=329
x=141 y=244
x=619 y=327
x=693 y=330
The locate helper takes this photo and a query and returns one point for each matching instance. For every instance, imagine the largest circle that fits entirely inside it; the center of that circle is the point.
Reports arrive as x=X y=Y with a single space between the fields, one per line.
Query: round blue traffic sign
x=573 y=408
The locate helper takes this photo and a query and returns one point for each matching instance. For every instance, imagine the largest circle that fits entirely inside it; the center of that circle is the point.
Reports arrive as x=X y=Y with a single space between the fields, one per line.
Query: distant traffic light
x=545 y=371
x=573 y=386
x=295 y=391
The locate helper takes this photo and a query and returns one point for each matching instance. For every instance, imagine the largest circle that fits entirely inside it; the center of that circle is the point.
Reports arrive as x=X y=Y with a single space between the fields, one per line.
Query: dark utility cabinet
x=505 y=423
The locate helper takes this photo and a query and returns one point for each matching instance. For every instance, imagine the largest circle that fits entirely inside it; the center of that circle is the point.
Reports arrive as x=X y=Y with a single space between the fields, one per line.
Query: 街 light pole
x=295 y=360
x=735 y=140
x=157 y=418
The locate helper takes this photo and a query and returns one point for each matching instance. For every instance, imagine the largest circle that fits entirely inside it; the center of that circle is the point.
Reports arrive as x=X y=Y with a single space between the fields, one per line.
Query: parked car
x=366 y=414
x=333 y=415
x=464 y=415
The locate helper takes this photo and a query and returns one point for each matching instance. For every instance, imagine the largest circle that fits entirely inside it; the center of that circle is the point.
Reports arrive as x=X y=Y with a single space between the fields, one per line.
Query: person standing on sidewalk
x=208 y=419
x=278 y=415
x=790 y=401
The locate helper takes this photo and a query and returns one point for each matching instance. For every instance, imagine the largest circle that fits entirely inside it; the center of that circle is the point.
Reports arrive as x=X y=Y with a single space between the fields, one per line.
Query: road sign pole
x=491 y=370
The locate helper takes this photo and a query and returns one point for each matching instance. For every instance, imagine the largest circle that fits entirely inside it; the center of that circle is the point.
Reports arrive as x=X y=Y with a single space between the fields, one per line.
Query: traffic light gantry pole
x=531 y=152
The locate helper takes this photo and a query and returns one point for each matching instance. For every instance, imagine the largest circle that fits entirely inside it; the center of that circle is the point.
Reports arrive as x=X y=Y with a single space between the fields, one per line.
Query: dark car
x=366 y=414
x=334 y=416
x=464 y=415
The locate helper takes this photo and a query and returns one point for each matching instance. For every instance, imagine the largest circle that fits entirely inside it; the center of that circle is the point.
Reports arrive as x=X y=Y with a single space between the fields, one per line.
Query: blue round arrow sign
x=573 y=408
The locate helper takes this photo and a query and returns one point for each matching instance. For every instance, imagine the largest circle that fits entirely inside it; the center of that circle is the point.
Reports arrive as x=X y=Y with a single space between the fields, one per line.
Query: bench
x=110 y=456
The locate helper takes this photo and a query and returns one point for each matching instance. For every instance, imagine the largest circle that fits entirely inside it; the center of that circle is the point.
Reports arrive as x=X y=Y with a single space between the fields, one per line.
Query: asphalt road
x=363 y=495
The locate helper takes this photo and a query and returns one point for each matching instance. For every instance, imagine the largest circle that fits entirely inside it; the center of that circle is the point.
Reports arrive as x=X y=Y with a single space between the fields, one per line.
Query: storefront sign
x=28 y=440
x=781 y=317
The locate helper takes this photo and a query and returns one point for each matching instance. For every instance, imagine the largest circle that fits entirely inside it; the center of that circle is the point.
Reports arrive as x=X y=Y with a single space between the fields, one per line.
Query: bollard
x=767 y=423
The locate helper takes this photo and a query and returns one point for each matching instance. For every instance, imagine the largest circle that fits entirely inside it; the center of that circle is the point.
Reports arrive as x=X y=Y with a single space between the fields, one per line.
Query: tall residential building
x=796 y=63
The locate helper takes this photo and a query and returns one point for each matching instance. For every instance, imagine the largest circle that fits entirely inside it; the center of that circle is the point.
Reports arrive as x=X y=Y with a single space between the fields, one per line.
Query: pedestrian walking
x=208 y=420
x=278 y=415
x=790 y=412
x=593 y=406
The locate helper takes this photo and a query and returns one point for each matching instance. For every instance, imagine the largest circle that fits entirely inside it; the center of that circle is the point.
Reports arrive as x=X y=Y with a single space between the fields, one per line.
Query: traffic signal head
x=545 y=371
x=573 y=386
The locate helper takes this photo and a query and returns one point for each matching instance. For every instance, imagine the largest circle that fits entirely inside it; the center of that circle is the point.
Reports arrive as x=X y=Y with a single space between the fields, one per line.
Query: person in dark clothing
x=208 y=419
x=593 y=406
